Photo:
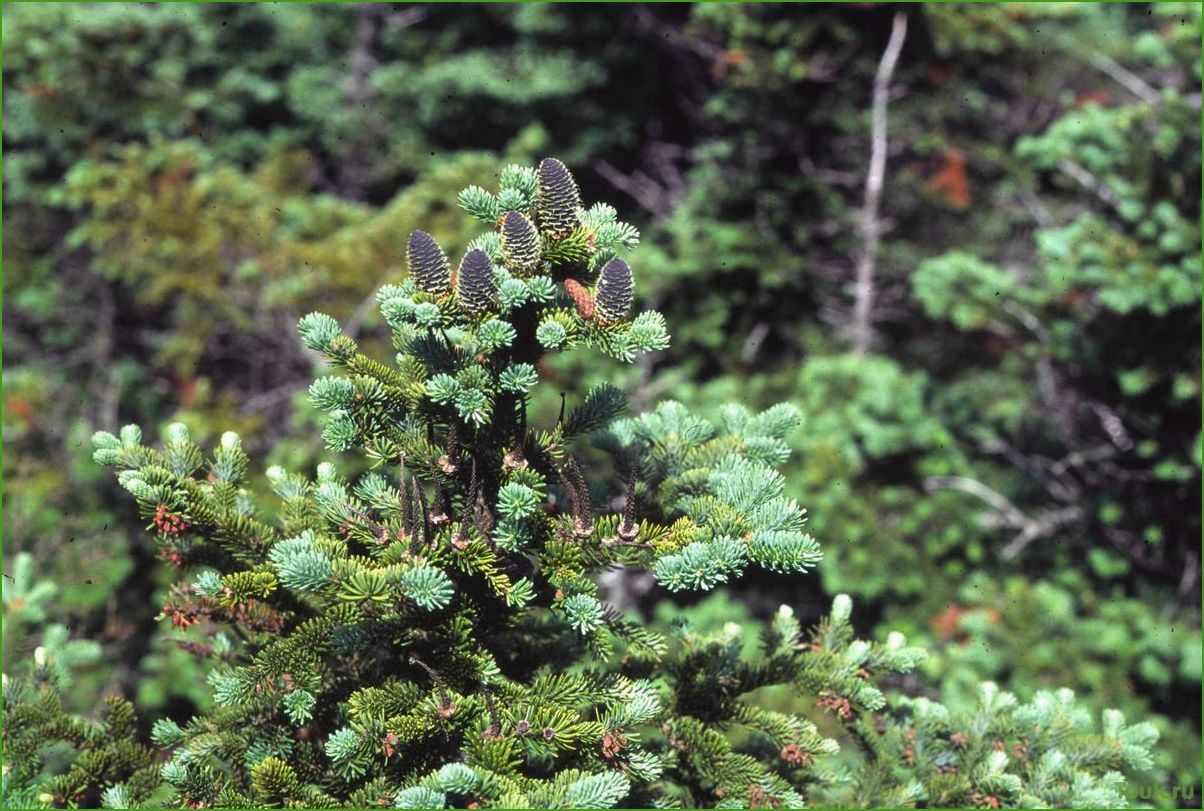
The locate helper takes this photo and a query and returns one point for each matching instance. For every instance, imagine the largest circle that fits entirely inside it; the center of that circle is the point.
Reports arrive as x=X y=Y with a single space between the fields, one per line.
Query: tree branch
x=1008 y=511
x=1129 y=80
x=1008 y=514
x=1088 y=181
x=652 y=196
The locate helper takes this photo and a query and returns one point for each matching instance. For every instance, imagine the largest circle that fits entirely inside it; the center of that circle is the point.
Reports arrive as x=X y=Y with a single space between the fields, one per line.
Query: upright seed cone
x=616 y=291
x=475 y=282
x=558 y=198
x=520 y=243
x=428 y=264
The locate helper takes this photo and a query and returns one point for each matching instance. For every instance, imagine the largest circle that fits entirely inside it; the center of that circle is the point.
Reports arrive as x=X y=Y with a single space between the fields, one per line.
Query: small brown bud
x=514 y=460
x=612 y=743
x=794 y=754
x=582 y=300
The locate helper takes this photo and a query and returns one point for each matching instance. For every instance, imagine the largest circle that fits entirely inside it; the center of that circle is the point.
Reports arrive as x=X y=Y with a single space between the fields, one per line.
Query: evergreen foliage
x=183 y=181
x=433 y=577
x=897 y=751
x=430 y=635
x=54 y=758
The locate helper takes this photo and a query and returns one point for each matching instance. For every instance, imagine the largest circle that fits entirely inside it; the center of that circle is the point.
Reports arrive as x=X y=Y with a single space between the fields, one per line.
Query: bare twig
x=655 y=197
x=405 y=18
x=1145 y=556
x=357 y=92
x=1080 y=458
x=1088 y=181
x=1191 y=572
x=871 y=227
x=1039 y=211
x=1035 y=468
x=752 y=344
x=832 y=177
x=1007 y=514
x=1029 y=320
x=1113 y=426
x=272 y=397
x=1044 y=524
x=1129 y=80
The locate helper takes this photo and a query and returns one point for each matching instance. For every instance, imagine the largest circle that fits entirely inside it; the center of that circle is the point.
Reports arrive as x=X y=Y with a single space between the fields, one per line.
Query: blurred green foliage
x=182 y=181
x=1037 y=635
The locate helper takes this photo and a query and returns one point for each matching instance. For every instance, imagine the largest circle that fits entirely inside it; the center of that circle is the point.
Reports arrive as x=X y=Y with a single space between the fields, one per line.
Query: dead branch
x=1126 y=78
x=1007 y=514
x=871 y=226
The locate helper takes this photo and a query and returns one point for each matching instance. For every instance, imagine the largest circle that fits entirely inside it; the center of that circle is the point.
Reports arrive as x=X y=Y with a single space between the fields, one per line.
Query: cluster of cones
x=556 y=210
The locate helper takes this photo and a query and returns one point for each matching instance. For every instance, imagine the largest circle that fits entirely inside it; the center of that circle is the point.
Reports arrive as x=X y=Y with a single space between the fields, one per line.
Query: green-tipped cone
x=558 y=198
x=520 y=244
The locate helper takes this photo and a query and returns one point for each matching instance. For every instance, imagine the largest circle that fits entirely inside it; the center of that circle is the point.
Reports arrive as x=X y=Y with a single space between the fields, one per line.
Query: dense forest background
x=1001 y=448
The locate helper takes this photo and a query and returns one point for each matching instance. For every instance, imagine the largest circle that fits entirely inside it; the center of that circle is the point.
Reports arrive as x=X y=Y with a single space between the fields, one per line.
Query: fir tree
x=430 y=635
x=432 y=629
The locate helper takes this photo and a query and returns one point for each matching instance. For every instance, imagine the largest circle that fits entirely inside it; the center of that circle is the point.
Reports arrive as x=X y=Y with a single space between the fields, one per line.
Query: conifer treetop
x=434 y=584
x=431 y=635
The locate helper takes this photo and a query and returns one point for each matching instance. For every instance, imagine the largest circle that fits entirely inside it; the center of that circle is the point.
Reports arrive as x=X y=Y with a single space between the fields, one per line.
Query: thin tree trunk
x=871 y=226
